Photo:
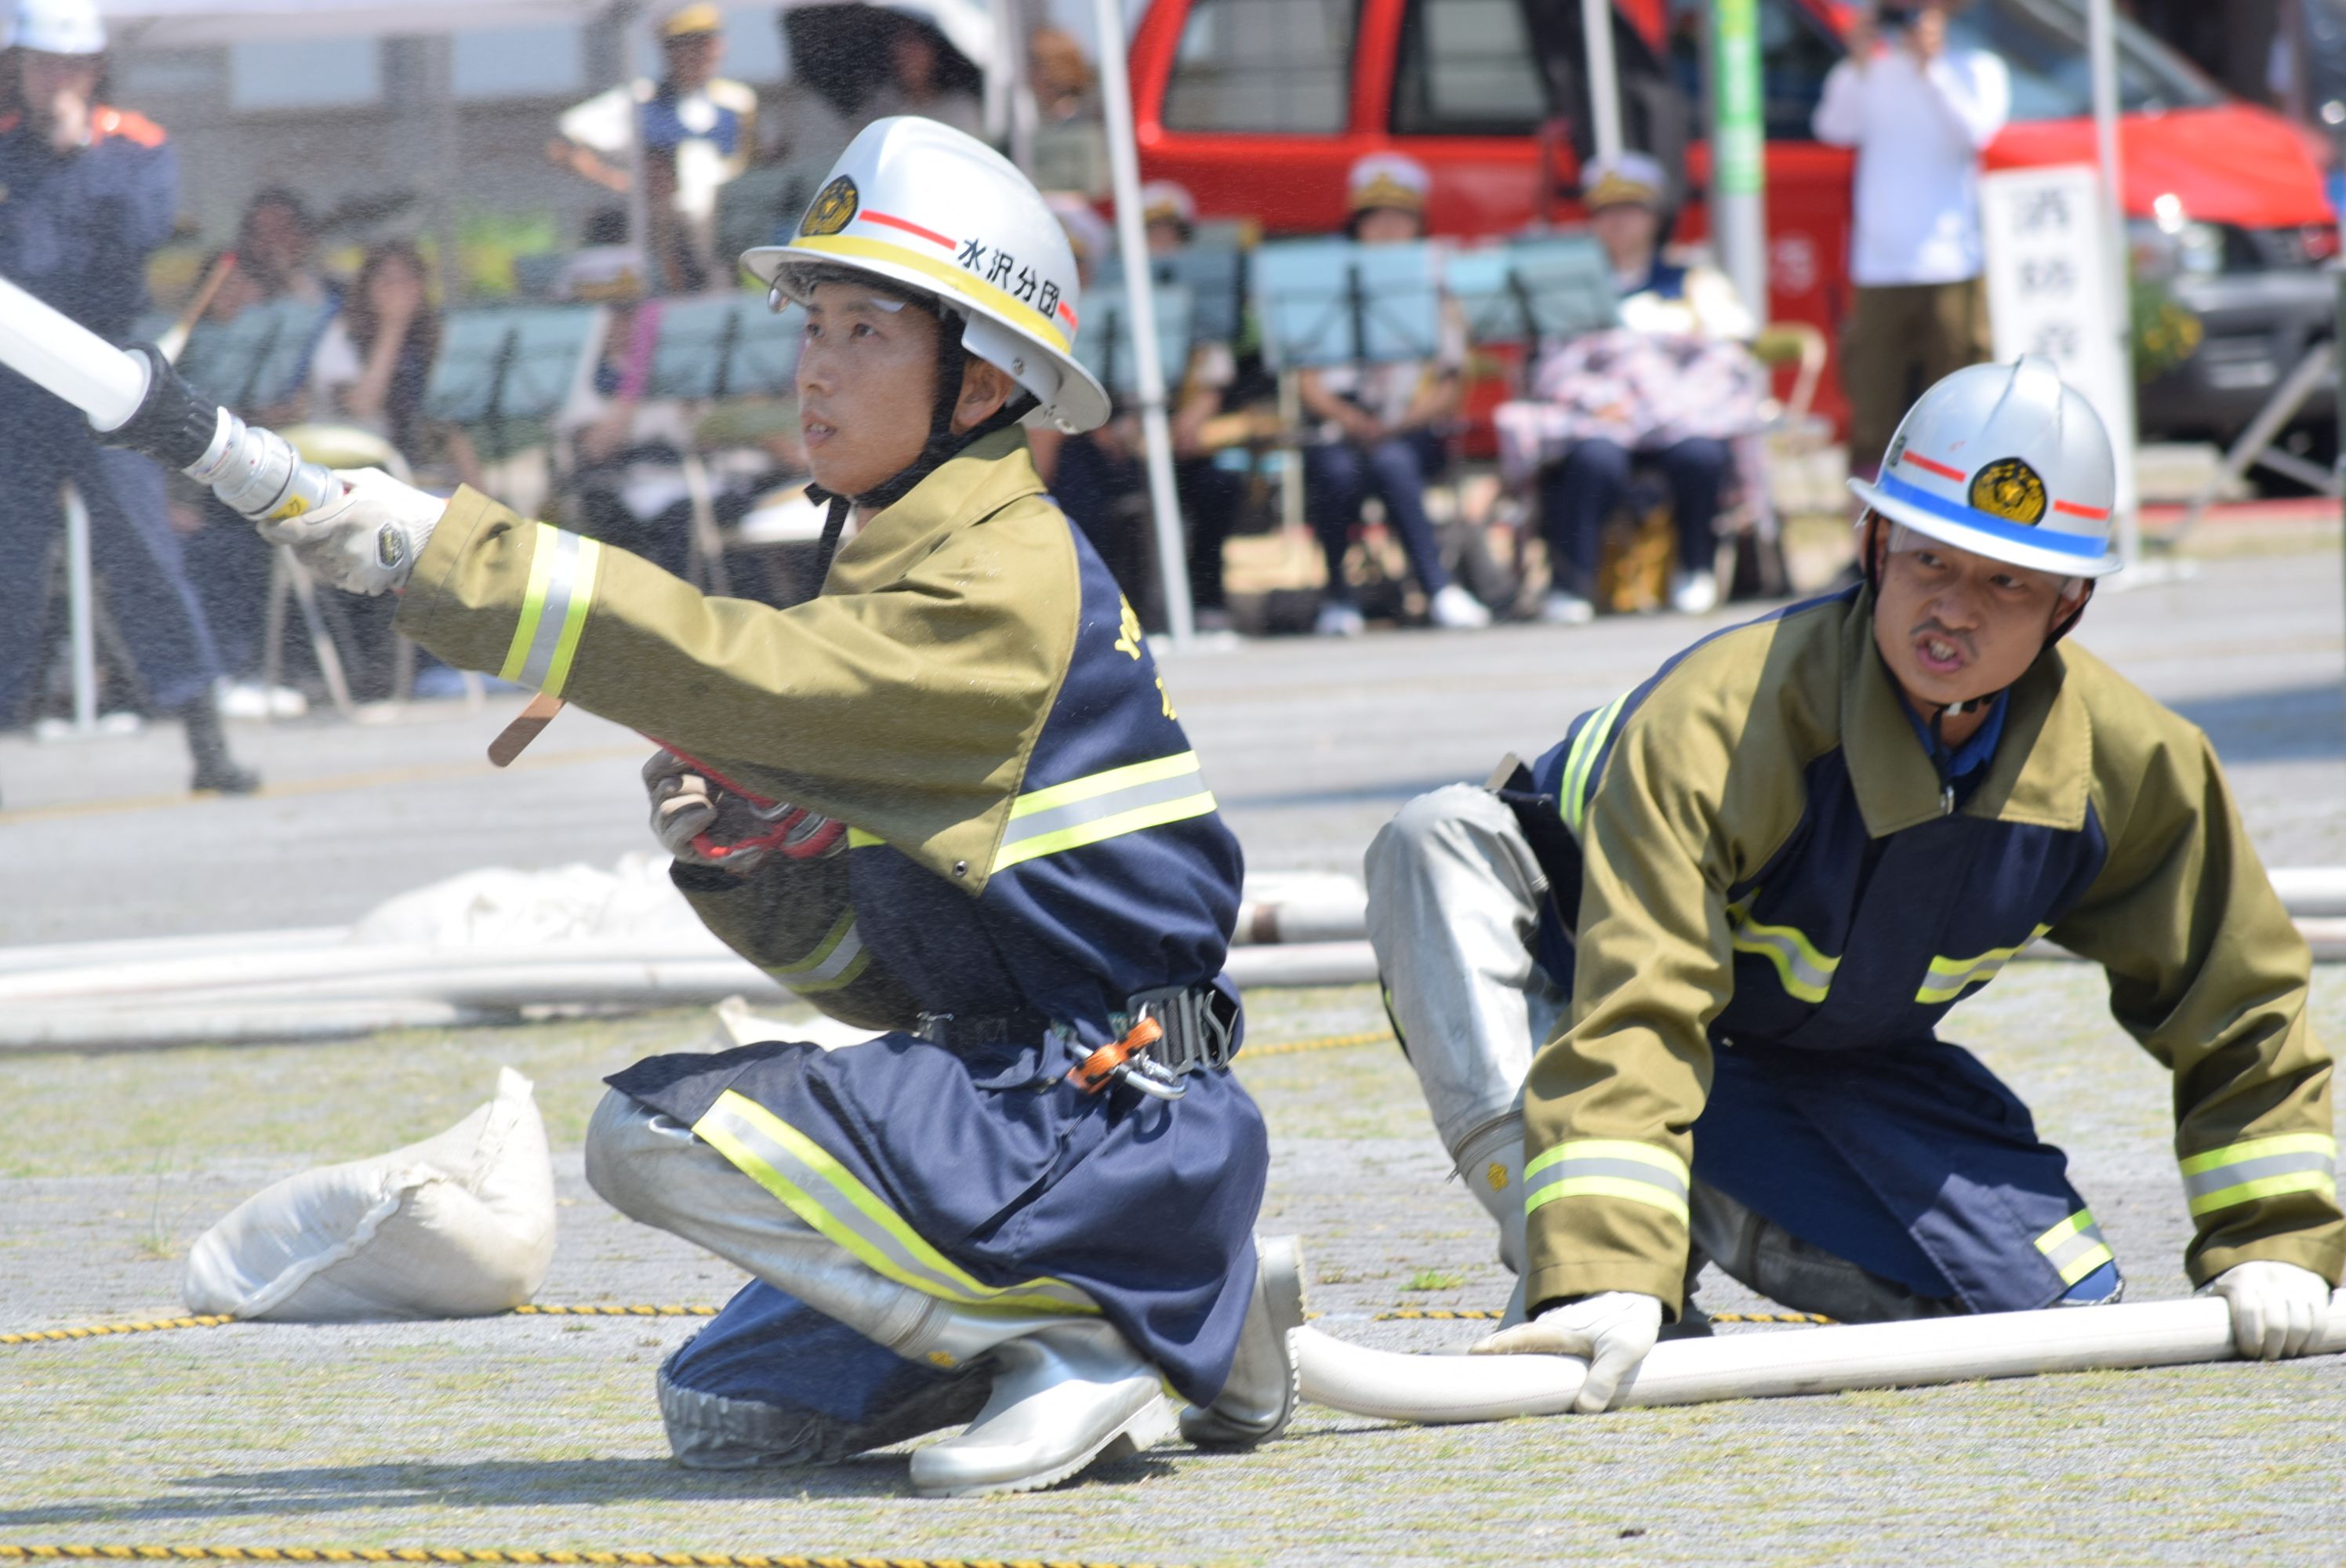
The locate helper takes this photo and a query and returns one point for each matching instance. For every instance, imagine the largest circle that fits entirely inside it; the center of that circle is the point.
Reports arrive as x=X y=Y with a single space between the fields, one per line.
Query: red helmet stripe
x=2092 y=513
x=1927 y=466
x=931 y=235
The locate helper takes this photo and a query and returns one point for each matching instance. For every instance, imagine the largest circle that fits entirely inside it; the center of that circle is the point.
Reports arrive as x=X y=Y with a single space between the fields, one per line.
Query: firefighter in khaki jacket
x=1031 y=1200
x=1671 y=990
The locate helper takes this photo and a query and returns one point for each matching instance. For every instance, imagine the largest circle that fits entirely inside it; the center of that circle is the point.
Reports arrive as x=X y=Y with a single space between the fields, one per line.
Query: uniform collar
x=984 y=477
x=2042 y=772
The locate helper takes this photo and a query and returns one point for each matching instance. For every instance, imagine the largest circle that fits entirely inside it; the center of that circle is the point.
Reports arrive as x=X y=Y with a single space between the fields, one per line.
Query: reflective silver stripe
x=1805 y=972
x=826 y=1195
x=2074 y=1247
x=1620 y=1170
x=569 y=582
x=1103 y=806
x=1607 y=1167
x=830 y=965
x=2259 y=1167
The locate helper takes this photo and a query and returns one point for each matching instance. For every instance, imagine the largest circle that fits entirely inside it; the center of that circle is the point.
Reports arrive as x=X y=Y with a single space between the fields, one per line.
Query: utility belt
x=1162 y=1037
x=1552 y=843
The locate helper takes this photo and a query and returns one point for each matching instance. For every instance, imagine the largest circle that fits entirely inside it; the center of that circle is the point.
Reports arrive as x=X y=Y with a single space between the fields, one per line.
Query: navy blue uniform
x=76 y=230
x=1768 y=893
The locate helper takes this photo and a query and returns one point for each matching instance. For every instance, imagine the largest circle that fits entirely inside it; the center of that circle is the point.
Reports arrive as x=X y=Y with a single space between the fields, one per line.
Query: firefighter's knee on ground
x=625 y=1144
x=1455 y=822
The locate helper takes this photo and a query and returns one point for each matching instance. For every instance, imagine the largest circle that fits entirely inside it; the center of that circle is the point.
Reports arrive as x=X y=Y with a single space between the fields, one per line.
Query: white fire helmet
x=920 y=206
x=55 y=26
x=2008 y=461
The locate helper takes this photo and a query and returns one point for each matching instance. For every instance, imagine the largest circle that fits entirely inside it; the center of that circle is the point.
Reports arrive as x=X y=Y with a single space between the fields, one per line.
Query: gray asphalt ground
x=540 y=1432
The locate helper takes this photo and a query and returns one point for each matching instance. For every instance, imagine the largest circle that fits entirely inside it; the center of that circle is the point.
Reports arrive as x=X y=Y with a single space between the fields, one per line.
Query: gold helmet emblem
x=2010 y=489
x=832 y=210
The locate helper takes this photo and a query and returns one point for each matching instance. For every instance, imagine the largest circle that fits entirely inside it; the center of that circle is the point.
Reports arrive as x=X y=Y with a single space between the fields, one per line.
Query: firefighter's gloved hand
x=2278 y=1308
x=368 y=539
x=702 y=824
x=1613 y=1329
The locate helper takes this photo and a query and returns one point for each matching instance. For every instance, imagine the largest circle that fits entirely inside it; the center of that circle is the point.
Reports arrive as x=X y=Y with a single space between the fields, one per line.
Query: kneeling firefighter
x=1027 y=1206
x=1673 y=990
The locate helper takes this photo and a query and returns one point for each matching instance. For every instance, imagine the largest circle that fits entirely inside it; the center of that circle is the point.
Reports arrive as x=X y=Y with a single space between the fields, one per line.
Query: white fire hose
x=1440 y=1388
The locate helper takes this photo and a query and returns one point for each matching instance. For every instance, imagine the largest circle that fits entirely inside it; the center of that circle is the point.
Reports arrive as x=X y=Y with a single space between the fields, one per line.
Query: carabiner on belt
x=1126 y=1061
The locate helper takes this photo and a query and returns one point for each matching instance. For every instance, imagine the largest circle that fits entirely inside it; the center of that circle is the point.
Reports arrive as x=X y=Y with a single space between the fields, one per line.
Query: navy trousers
x=1339 y=476
x=1578 y=493
x=133 y=552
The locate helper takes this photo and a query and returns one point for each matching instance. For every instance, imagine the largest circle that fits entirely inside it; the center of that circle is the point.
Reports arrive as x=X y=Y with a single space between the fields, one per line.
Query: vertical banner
x=1738 y=151
x=2049 y=290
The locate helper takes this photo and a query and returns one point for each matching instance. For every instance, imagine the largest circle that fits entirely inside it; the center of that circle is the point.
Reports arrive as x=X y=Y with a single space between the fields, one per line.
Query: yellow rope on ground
x=98 y=1330
x=1316 y=1042
x=11 y=1553
x=552 y=1311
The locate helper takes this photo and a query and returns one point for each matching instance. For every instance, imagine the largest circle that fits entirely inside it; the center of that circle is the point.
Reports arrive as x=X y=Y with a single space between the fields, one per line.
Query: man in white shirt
x=697 y=129
x=1919 y=113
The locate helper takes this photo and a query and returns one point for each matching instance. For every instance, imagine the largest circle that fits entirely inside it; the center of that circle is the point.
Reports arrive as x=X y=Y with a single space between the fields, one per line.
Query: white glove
x=1613 y=1328
x=2277 y=1307
x=367 y=540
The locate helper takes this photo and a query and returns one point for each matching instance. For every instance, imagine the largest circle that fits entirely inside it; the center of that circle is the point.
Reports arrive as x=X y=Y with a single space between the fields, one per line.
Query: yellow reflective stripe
x=1948 y=977
x=829 y=1199
x=958 y=280
x=836 y=962
x=1804 y=972
x=2074 y=1246
x=2260 y=1167
x=1104 y=783
x=555 y=602
x=1104 y=805
x=2320 y=1144
x=2266 y=1186
x=1609 y=1186
x=1581 y=759
x=1608 y=1149
x=857 y=839
x=574 y=621
x=532 y=603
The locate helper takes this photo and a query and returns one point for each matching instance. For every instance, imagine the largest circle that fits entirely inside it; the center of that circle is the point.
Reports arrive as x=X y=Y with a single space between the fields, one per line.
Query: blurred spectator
x=91 y=191
x=1383 y=429
x=1070 y=146
x=276 y=249
x=1669 y=385
x=697 y=131
x=1919 y=115
x=926 y=76
x=226 y=562
x=374 y=364
x=624 y=450
x=1100 y=479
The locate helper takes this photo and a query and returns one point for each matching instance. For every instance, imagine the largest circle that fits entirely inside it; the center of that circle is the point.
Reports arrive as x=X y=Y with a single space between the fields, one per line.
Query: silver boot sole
x=1260 y=1396
x=1063 y=1399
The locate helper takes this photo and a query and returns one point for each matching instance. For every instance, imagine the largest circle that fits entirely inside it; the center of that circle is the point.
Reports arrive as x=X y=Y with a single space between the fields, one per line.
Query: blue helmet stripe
x=2084 y=545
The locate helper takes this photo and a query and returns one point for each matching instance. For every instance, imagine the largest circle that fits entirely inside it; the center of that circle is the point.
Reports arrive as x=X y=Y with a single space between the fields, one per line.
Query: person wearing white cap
x=1673 y=990
x=1383 y=426
x=1627 y=201
x=697 y=129
x=87 y=192
x=947 y=799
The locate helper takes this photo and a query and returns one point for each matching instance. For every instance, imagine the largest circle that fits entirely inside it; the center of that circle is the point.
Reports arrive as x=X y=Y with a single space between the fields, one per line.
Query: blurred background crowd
x=492 y=244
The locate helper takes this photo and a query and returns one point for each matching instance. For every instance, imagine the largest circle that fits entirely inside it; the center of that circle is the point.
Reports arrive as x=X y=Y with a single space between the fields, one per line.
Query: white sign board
x=2051 y=283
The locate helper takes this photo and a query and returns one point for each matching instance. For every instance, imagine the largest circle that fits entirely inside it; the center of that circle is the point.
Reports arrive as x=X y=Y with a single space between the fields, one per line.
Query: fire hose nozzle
x=252 y=470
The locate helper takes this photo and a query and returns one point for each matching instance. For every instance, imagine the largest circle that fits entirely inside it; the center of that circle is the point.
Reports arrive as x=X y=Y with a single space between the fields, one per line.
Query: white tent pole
x=2101 y=42
x=1603 y=80
x=80 y=613
x=1132 y=241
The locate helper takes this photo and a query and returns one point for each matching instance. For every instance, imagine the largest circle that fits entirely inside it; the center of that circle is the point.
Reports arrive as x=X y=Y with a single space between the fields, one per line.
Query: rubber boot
x=1064 y=1396
x=1259 y=1399
x=215 y=769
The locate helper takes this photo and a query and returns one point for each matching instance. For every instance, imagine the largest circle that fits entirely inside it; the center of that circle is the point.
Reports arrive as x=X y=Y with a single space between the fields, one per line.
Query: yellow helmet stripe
x=956 y=279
